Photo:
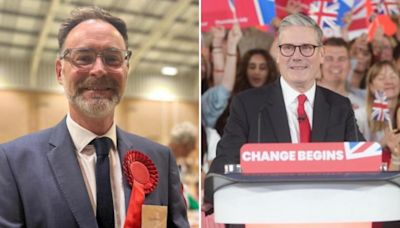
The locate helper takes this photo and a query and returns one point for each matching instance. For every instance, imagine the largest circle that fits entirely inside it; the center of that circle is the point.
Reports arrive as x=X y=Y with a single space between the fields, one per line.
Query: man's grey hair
x=80 y=15
x=300 y=19
x=184 y=134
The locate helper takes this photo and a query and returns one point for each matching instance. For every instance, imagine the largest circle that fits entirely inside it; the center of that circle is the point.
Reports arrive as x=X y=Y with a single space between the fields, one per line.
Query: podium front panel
x=296 y=202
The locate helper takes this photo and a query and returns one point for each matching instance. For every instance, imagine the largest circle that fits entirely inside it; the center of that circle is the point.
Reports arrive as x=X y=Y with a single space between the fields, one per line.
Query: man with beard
x=72 y=175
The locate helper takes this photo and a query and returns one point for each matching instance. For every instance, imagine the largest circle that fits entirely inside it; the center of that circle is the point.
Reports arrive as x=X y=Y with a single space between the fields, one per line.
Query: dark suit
x=41 y=183
x=259 y=115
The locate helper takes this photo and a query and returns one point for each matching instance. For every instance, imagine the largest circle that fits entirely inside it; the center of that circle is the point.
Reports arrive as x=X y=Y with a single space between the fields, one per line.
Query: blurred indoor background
x=163 y=83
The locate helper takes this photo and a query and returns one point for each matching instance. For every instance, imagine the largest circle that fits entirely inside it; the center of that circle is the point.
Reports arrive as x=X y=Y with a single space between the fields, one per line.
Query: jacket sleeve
x=177 y=210
x=11 y=210
x=352 y=130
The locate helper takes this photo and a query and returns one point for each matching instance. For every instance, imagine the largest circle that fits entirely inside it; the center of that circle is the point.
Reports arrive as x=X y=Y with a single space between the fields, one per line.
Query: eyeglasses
x=85 y=58
x=306 y=50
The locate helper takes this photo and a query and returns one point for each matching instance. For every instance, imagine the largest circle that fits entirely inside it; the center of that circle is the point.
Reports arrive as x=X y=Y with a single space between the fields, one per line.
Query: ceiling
x=161 y=33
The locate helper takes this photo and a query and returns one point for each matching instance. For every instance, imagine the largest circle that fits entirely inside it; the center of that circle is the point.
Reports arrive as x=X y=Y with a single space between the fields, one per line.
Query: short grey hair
x=300 y=19
x=184 y=134
x=80 y=15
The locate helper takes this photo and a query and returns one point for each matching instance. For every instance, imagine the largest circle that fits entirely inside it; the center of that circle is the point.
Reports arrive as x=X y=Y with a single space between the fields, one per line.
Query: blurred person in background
x=383 y=76
x=215 y=98
x=361 y=54
x=182 y=142
x=257 y=68
x=396 y=57
x=336 y=68
x=382 y=46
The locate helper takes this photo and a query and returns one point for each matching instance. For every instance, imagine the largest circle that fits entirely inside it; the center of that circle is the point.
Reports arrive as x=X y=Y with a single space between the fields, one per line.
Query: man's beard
x=96 y=106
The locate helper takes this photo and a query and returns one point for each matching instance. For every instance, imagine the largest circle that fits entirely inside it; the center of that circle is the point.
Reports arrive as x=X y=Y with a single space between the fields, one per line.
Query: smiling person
x=276 y=112
x=336 y=70
x=72 y=175
x=383 y=76
x=257 y=68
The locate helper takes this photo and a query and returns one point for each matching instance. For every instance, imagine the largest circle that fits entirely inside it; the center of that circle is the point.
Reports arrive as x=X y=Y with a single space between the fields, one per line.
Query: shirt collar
x=81 y=137
x=290 y=95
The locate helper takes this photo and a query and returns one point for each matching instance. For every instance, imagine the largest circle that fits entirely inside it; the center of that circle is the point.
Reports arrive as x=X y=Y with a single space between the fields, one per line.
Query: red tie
x=304 y=124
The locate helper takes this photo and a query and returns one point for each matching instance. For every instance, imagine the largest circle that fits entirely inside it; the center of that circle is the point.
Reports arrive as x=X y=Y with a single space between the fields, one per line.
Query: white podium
x=305 y=198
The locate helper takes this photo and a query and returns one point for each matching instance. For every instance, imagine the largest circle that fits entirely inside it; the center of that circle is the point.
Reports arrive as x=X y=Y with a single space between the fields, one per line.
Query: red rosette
x=139 y=167
x=142 y=175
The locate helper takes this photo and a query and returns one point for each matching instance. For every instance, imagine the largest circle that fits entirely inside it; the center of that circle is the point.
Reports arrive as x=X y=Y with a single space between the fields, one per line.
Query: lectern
x=304 y=198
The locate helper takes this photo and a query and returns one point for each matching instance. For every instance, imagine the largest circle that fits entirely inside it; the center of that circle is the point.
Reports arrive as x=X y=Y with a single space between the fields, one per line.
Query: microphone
x=355 y=126
x=259 y=123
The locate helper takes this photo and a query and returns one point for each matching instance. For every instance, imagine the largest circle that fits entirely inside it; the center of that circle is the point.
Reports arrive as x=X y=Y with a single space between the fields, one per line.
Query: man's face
x=300 y=71
x=336 y=65
x=92 y=89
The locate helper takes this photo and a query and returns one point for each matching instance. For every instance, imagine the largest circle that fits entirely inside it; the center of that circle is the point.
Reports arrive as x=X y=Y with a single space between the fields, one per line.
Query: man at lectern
x=293 y=108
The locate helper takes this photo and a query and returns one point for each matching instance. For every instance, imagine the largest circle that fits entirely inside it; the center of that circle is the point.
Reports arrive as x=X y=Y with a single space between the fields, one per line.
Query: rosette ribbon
x=142 y=175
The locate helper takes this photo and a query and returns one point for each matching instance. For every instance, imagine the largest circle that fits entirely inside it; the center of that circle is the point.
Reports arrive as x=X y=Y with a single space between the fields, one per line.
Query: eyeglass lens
x=113 y=58
x=306 y=50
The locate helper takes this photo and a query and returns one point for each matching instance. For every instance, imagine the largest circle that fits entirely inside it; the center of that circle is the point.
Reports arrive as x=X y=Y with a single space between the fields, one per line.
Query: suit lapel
x=320 y=116
x=276 y=112
x=68 y=175
x=123 y=148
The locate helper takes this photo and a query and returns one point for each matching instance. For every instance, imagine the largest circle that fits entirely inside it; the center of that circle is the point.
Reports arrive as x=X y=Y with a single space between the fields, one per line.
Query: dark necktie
x=105 y=209
x=304 y=124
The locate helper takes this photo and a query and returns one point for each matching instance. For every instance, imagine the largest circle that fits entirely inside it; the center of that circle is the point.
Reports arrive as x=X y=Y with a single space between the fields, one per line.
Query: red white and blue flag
x=359 y=18
x=265 y=11
x=386 y=7
x=249 y=13
x=355 y=150
x=380 y=107
x=328 y=14
x=325 y=13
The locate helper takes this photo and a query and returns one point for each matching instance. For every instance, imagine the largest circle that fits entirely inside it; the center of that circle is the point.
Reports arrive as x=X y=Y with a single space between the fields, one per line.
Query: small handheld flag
x=380 y=108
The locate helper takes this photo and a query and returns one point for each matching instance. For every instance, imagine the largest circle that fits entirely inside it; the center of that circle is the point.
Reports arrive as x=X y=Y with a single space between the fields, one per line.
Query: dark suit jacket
x=41 y=183
x=259 y=115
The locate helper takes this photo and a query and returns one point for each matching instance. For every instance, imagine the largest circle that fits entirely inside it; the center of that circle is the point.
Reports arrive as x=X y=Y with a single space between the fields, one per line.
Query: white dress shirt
x=290 y=97
x=86 y=155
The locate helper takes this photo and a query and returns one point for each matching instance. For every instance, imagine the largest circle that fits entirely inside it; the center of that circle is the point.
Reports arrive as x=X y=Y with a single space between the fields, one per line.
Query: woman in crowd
x=256 y=69
x=384 y=77
x=361 y=54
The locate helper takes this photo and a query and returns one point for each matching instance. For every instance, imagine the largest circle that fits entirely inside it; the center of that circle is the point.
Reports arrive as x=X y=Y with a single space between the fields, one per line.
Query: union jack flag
x=325 y=13
x=385 y=7
x=355 y=150
x=359 y=21
x=380 y=107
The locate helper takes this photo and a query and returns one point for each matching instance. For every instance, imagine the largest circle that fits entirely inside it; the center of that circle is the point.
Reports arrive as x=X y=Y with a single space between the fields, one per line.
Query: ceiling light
x=169 y=71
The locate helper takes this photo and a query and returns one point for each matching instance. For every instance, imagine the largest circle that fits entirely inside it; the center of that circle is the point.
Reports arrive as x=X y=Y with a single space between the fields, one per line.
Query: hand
x=218 y=35
x=234 y=36
x=293 y=6
x=275 y=22
x=392 y=139
x=347 y=18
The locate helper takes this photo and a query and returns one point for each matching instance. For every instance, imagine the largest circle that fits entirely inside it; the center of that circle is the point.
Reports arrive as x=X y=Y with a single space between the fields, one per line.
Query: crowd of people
x=354 y=69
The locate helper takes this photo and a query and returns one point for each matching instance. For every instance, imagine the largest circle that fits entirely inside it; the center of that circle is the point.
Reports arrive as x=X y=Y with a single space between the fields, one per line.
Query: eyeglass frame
x=126 y=56
x=298 y=46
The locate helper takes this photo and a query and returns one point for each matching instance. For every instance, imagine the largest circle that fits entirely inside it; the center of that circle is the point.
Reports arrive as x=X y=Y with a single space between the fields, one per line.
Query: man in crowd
x=72 y=175
x=336 y=70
